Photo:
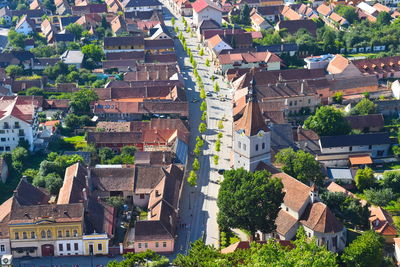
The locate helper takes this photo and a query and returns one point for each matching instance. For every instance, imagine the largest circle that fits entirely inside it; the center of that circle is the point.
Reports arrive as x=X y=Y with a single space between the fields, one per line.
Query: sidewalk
x=68 y=261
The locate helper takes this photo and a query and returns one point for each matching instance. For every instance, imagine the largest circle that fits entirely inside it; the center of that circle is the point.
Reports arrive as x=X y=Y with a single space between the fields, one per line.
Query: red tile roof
x=199 y=5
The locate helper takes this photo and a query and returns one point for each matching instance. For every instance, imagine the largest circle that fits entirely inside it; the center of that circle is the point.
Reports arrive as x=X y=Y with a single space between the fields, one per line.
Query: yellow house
x=38 y=228
x=123 y=43
x=95 y=244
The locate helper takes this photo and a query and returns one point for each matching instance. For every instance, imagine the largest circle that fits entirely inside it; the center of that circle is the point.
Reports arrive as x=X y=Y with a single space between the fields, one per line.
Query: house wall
x=99 y=243
x=163 y=246
x=141 y=201
x=241 y=65
x=143 y=8
x=62 y=244
x=373 y=149
x=206 y=14
x=5 y=247
x=9 y=137
x=25 y=28
x=327 y=239
x=397 y=252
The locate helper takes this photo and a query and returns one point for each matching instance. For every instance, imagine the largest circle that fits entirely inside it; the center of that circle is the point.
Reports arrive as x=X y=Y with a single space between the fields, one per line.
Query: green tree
x=53 y=183
x=306 y=252
x=204 y=116
x=35 y=91
x=14 y=70
x=203 y=106
x=379 y=197
x=391 y=179
x=365 y=250
x=346 y=208
x=105 y=154
x=19 y=154
x=348 y=12
x=146 y=258
x=94 y=52
x=207 y=63
x=364 y=178
x=364 y=107
x=75 y=29
x=215 y=159
x=245 y=15
x=202 y=93
x=201 y=52
x=301 y=165
x=202 y=127
x=196 y=165
x=249 y=200
x=115 y=201
x=173 y=21
x=220 y=125
x=383 y=18
x=192 y=178
x=338 y=98
x=328 y=121
x=218 y=145
x=128 y=150
x=73 y=122
x=199 y=255
x=16 y=40
x=81 y=100
x=216 y=87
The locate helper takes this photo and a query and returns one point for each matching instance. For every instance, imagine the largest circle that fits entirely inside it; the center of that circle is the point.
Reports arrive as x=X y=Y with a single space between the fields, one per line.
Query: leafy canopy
x=328 y=121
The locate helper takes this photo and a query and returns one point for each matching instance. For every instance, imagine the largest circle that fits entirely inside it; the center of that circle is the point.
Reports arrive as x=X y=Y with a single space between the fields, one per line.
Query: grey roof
x=65 y=21
x=72 y=57
x=340 y=173
x=281 y=135
x=140 y=3
x=355 y=140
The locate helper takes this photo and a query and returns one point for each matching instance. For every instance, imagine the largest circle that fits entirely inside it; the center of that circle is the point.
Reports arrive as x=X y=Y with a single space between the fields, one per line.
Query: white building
x=140 y=5
x=25 y=25
x=251 y=136
x=206 y=10
x=18 y=121
x=68 y=247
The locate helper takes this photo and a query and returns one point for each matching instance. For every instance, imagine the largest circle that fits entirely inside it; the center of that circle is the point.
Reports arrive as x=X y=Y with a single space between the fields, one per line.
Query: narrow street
x=198 y=207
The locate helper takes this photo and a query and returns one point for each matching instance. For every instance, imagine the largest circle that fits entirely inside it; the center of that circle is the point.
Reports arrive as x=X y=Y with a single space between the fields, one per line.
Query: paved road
x=198 y=207
x=70 y=261
x=3 y=38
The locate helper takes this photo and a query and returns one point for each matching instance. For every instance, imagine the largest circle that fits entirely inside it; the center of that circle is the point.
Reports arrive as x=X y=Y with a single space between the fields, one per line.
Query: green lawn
x=388 y=166
x=360 y=55
x=78 y=141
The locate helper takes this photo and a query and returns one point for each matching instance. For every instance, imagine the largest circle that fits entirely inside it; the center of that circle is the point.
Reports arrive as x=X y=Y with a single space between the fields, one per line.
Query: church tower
x=251 y=136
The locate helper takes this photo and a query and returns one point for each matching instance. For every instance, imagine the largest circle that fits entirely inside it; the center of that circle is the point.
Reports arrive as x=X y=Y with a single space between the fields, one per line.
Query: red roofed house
x=206 y=10
x=382 y=223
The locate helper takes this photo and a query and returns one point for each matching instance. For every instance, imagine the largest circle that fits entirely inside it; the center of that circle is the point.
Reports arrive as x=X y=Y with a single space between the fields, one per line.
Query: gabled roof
x=74 y=185
x=140 y=3
x=355 y=140
x=319 y=218
x=199 y=5
x=30 y=22
x=366 y=121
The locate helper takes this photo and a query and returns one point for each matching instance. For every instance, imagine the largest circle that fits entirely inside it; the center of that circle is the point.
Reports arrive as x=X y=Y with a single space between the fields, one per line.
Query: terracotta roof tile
x=319 y=218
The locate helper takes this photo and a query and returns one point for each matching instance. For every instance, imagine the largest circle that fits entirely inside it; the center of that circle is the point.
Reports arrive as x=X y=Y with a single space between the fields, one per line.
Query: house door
x=91 y=249
x=47 y=250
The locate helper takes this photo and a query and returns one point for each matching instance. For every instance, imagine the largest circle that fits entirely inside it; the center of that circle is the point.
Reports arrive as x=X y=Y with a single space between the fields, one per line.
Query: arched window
x=24 y=235
x=48 y=234
x=263 y=146
x=43 y=234
x=257 y=147
x=75 y=233
x=33 y=235
x=67 y=233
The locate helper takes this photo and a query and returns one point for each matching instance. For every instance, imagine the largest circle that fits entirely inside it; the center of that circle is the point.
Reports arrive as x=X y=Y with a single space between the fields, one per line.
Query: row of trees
x=365 y=250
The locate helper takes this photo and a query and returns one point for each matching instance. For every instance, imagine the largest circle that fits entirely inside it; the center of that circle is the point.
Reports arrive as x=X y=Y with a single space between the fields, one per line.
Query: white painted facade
x=5 y=247
x=24 y=28
x=241 y=65
x=374 y=150
x=250 y=150
x=68 y=247
x=13 y=129
x=207 y=14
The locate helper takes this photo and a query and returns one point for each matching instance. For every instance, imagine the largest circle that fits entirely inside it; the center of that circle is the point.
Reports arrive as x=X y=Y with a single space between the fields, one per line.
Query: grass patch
x=360 y=55
x=78 y=141
x=387 y=166
x=143 y=215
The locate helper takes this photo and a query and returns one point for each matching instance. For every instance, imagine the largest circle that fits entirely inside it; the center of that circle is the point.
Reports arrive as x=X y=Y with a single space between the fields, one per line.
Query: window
x=75 y=233
x=145 y=245
x=48 y=234
x=7 y=148
x=263 y=146
x=76 y=246
x=100 y=246
x=351 y=148
x=59 y=233
x=164 y=244
x=68 y=247
x=3 y=139
x=1 y=148
x=43 y=234
x=141 y=196
x=295 y=103
x=290 y=103
x=24 y=235
x=309 y=101
x=2 y=248
x=239 y=144
x=33 y=236
x=16 y=124
x=370 y=147
x=244 y=146
x=379 y=153
x=139 y=245
x=257 y=147
x=6 y=126
x=16 y=235
x=67 y=233
x=60 y=247
x=156 y=244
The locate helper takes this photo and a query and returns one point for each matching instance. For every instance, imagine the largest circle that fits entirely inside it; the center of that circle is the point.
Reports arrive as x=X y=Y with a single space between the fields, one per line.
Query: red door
x=47 y=250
